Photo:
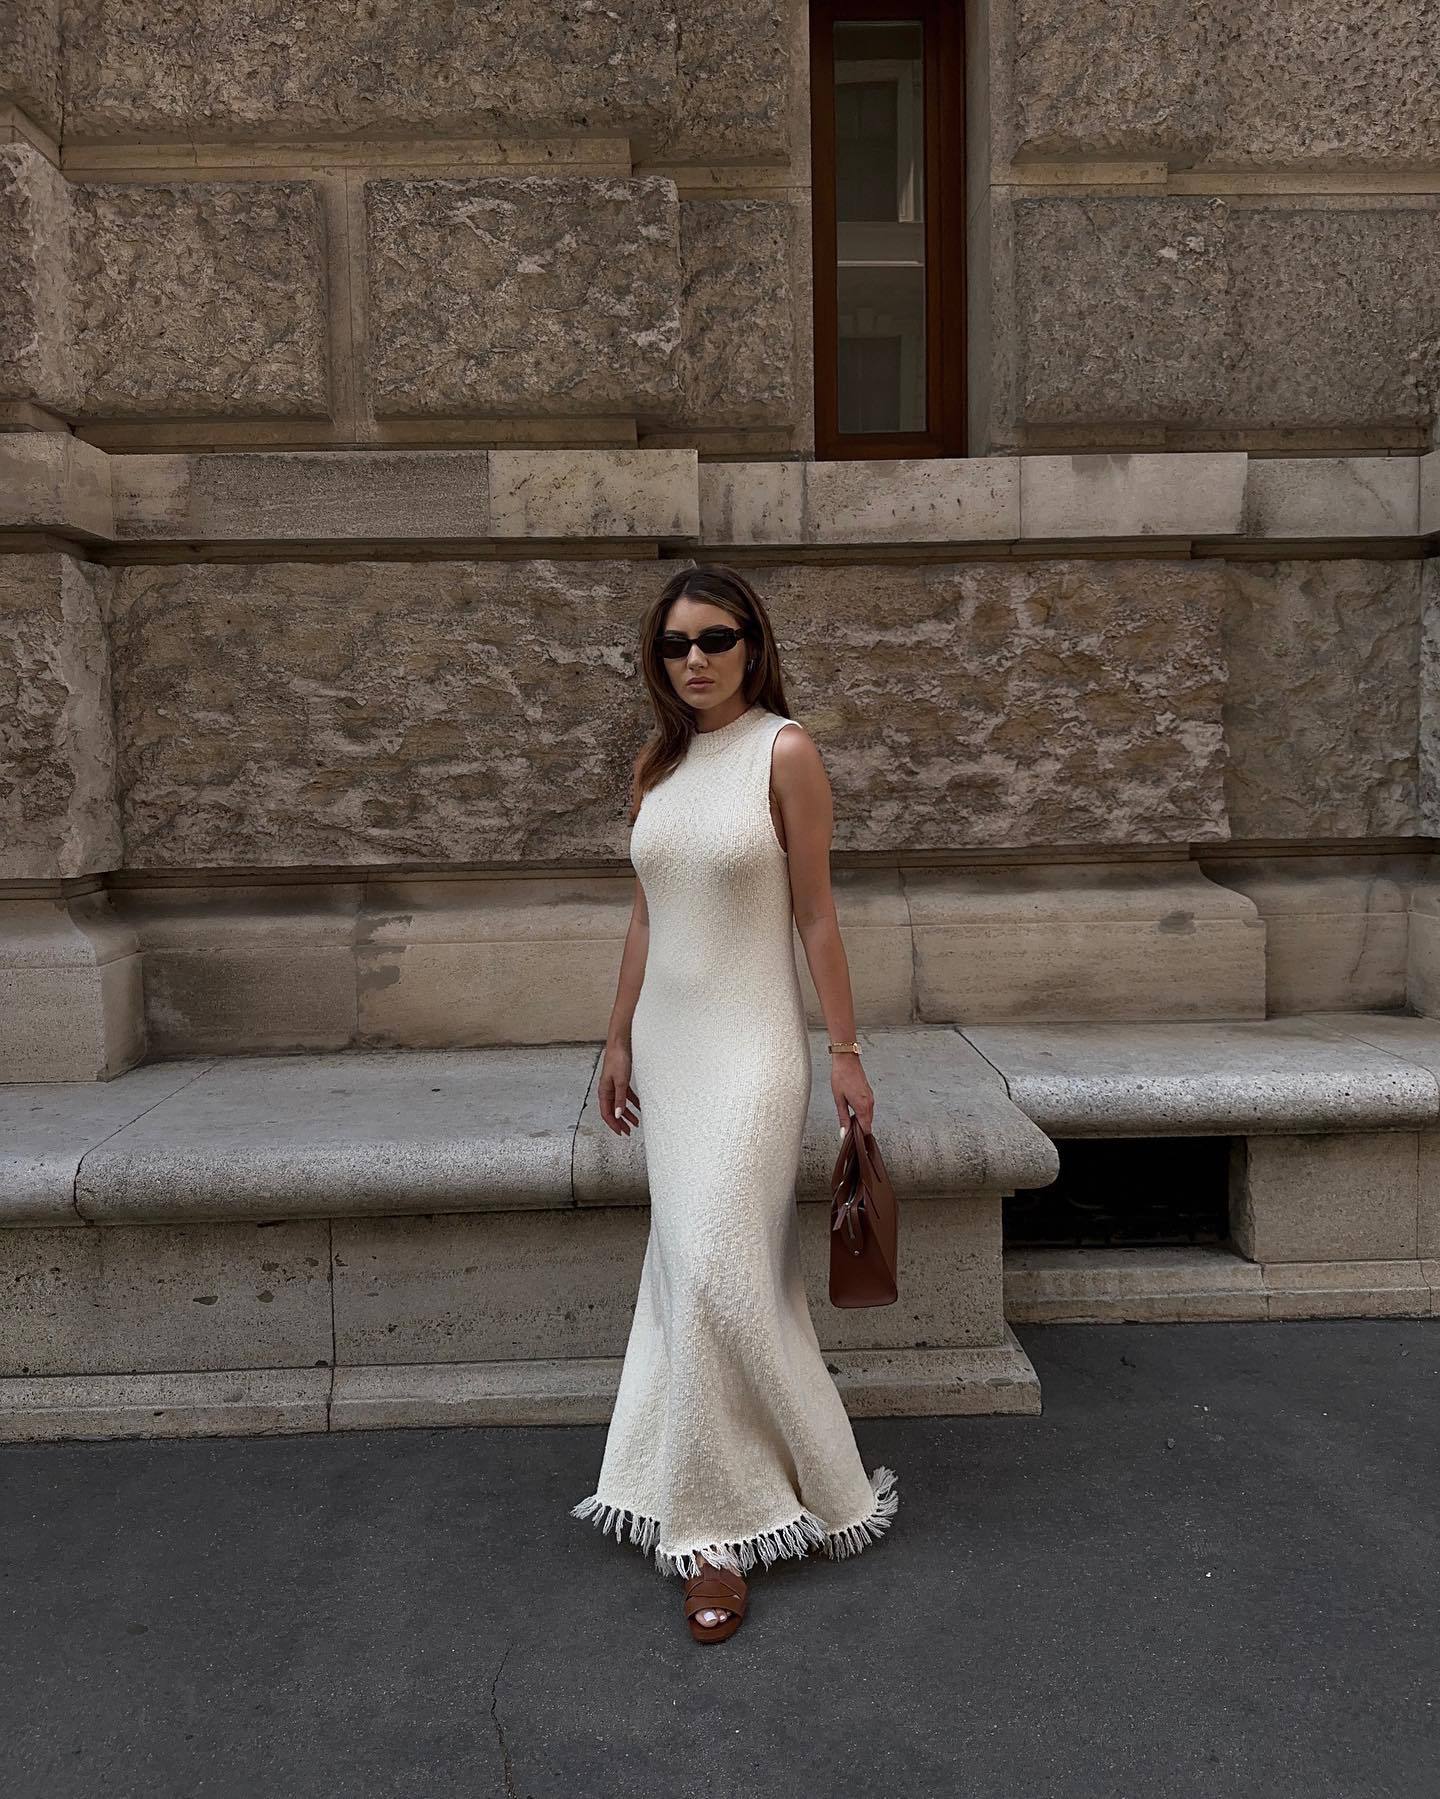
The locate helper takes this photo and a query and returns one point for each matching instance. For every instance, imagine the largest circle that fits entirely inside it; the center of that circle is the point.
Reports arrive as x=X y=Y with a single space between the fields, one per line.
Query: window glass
x=880 y=224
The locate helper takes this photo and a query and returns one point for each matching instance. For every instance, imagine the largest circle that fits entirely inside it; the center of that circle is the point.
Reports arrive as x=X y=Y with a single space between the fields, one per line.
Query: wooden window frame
x=945 y=316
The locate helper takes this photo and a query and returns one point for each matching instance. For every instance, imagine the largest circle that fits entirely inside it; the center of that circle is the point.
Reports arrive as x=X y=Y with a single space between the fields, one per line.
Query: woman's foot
x=714 y=1603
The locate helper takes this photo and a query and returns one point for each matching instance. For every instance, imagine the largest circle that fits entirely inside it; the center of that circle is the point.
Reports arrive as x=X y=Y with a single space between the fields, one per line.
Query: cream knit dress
x=728 y=1437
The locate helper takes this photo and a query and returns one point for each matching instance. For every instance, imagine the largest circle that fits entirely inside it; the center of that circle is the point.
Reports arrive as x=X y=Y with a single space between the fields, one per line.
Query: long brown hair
x=727 y=588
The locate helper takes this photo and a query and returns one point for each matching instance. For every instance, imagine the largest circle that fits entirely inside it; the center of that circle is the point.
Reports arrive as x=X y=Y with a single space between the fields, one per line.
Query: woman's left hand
x=851 y=1091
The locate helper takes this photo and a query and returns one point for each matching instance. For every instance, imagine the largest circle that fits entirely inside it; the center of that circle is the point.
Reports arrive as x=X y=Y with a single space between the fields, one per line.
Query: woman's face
x=704 y=681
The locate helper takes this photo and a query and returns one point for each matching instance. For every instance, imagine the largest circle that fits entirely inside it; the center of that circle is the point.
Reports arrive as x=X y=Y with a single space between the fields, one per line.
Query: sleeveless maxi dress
x=728 y=1436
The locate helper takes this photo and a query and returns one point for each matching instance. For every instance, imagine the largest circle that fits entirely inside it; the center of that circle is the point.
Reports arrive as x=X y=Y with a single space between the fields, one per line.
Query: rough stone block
x=1331 y=496
x=1087 y=79
x=1321 y=710
x=732 y=101
x=1198 y=495
x=30 y=60
x=1326 y=1199
x=152 y=1298
x=248 y=69
x=1428 y=797
x=521 y=296
x=1430 y=493
x=1083 y=941
x=37 y=361
x=1037 y=702
x=737 y=355
x=1335 y=84
x=202 y=299
x=1131 y=310
x=287 y=713
x=57 y=743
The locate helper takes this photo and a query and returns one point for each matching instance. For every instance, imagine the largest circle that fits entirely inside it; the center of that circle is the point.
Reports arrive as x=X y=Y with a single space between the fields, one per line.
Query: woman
x=728 y=1443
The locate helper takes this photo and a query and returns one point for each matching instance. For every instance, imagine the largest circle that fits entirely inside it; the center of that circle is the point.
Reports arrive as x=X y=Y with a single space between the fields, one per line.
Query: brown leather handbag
x=864 y=1221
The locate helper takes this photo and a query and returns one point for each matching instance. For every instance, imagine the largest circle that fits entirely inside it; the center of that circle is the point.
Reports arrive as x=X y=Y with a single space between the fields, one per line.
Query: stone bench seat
x=406 y=1131
x=1320 y=1073
x=410 y=1237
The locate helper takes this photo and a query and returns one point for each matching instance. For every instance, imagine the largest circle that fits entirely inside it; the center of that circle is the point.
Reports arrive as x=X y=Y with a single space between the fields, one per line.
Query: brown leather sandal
x=715 y=1589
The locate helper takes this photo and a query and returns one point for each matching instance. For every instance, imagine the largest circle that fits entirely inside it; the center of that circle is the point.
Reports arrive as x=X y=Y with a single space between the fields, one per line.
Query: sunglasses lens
x=714 y=641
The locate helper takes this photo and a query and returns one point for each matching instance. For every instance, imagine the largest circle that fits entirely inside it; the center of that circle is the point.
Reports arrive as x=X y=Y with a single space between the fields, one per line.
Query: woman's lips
x=699 y=683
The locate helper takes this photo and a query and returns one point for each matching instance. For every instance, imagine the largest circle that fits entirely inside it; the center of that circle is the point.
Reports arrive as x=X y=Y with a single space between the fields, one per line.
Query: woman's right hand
x=617 y=1096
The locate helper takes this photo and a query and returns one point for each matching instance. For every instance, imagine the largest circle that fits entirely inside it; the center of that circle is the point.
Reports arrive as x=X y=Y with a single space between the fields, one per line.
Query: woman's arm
x=802 y=789
x=617 y=1096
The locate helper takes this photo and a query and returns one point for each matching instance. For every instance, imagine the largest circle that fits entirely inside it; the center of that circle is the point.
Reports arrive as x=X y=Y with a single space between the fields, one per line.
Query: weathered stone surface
x=1332 y=496
x=35 y=318
x=150 y=1298
x=70 y=991
x=1336 y=928
x=306 y=495
x=1093 y=79
x=1429 y=697
x=1321 y=712
x=1197 y=495
x=594 y=493
x=522 y=295
x=254 y=68
x=929 y=500
x=448 y=711
x=737 y=311
x=459 y=712
x=52 y=481
x=202 y=299
x=1206 y=312
x=29 y=59
x=970 y=704
x=732 y=98
x=57 y=746
x=1333 y=84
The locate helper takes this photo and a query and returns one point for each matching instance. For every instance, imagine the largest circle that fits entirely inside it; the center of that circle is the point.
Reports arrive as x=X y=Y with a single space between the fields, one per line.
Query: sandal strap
x=706 y=1594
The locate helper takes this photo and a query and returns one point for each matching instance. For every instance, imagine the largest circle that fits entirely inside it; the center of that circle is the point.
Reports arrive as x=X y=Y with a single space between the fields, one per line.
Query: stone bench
x=1334 y=1170
x=410 y=1237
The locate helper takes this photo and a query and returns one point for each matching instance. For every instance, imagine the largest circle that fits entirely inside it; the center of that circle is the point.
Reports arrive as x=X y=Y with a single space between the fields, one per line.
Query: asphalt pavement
x=1208 y=1569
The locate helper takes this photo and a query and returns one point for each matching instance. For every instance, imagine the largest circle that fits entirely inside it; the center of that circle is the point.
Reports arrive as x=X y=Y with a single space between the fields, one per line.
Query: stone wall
x=1189 y=223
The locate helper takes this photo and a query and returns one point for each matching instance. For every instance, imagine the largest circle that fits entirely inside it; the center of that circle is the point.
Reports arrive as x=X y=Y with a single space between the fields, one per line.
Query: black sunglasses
x=714 y=640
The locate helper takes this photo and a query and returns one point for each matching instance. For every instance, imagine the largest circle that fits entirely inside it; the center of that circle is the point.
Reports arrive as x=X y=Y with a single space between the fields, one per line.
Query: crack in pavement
x=511 y=1792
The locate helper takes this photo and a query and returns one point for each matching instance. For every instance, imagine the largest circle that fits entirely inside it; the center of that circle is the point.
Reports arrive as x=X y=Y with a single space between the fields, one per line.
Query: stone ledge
x=1207 y=1283
x=246 y=1402
x=1273 y=1075
x=55 y=483
x=900 y=1383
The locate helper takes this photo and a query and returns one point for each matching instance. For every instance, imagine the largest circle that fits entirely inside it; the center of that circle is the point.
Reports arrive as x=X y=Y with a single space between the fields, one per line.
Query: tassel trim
x=803 y=1533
